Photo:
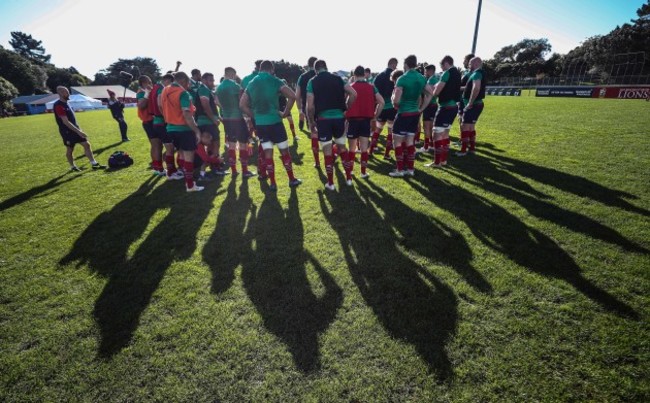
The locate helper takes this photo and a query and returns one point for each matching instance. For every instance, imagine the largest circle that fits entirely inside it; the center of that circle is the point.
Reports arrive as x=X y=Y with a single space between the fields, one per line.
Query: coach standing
x=117 y=110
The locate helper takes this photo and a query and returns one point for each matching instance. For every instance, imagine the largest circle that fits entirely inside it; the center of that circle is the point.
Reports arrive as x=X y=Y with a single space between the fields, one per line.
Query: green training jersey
x=412 y=84
x=432 y=81
x=229 y=93
x=204 y=91
x=477 y=75
x=263 y=91
x=247 y=80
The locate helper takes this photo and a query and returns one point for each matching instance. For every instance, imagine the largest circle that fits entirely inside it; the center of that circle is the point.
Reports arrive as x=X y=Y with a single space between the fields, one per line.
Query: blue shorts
x=358 y=127
x=445 y=116
x=148 y=128
x=185 y=140
x=386 y=115
x=406 y=123
x=330 y=128
x=429 y=112
x=70 y=138
x=212 y=129
x=236 y=130
x=275 y=133
x=470 y=116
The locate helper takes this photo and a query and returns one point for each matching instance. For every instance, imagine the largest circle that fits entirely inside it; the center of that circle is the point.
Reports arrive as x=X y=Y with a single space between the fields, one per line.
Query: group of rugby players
x=182 y=115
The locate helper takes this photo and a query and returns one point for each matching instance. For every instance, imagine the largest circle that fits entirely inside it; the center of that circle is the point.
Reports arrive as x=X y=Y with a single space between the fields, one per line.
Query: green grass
x=517 y=274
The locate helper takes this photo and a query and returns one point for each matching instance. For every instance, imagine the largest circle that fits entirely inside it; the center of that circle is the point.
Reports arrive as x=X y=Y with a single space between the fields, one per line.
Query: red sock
x=410 y=157
x=286 y=161
x=472 y=140
x=404 y=150
x=243 y=159
x=270 y=169
x=437 y=145
x=329 y=168
x=373 y=142
x=389 y=144
x=364 y=162
x=261 y=160
x=335 y=151
x=314 y=149
x=417 y=134
x=445 y=149
x=464 y=140
x=189 y=174
x=346 y=163
x=169 y=161
x=399 y=156
x=232 y=160
x=157 y=165
x=427 y=143
x=351 y=158
x=180 y=162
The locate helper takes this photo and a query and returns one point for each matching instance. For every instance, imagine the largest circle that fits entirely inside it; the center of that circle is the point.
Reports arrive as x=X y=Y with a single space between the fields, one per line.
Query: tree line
x=27 y=69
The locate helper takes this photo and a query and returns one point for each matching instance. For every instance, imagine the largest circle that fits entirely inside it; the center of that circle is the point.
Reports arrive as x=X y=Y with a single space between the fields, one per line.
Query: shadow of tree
x=275 y=278
x=37 y=191
x=505 y=233
x=412 y=304
x=105 y=243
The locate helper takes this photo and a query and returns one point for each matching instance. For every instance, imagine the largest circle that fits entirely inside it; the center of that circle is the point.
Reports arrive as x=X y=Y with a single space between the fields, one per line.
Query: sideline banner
x=572 y=92
x=630 y=92
x=507 y=91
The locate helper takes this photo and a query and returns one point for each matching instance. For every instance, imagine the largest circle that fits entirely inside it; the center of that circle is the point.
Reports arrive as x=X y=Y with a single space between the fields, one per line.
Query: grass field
x=518 y=274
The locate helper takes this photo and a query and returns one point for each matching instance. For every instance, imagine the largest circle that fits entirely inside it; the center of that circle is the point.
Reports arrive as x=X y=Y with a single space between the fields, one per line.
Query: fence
x=579 y=80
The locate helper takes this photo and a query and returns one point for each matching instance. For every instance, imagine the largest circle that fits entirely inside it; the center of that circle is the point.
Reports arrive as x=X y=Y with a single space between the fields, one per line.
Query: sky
x=211 y=35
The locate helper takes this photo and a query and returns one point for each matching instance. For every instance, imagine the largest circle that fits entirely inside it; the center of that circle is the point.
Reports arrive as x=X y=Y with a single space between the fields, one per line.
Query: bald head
x=63 y=92
x=475 y=63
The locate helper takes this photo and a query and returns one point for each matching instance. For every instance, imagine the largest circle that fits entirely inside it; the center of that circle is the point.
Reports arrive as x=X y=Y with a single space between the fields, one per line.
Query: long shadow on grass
x=411 y=303
x=495 y=177
x=100 y=150
x=505 y=233
x=232 y=239
x=275 y=276
x=37 y=190
x=105 y=244
x=577 y=185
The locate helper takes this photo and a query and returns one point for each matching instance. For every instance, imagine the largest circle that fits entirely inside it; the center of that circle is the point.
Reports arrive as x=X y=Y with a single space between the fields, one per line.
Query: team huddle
x=181 y=116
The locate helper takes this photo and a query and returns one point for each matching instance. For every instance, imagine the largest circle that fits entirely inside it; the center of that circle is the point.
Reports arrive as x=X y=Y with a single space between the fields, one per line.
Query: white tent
x=79 y=102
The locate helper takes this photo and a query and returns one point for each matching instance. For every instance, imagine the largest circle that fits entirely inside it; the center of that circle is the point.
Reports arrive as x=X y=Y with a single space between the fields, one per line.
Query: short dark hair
x=392 y=60
x=143 y=78
x=430 y=67
x=411 y=61
x=320 y=64
x=168 y=76
x=396 y=74
x=447 y=59
x=181 y=75
x=195 y=72
x=469 y=56
x=207 y=75
x=258 y=63
x=367 y=70
x=311 y=61
x=229 y=70
x=359 y=71
x=266 y=65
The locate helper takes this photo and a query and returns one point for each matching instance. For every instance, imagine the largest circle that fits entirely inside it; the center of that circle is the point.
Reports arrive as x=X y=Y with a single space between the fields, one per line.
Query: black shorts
x=358 y=127
x=471 y=115
x=212 y=129
x=406 y=123
x=185 y=140
x=71 y=138
x=148 y=128
x=236 y=130
x=386 y=115
x=445 y=116
x=429 y=112
x=330 y=128
x=275 y=133
x=160 y=131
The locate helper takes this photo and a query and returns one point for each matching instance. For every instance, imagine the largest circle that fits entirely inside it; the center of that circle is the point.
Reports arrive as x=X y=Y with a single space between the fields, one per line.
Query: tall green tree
x=29 y=78
x=288 y=71
x=26 y=46
x=7 y=92
x=137 y=66
x=67 y=77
